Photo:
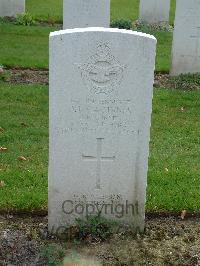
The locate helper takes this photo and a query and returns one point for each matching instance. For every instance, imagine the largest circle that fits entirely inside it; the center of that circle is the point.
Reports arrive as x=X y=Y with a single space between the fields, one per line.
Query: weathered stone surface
x=154 y=11
x=101 y=84
x=10 y=8
x=87 y=13
x=186 y=40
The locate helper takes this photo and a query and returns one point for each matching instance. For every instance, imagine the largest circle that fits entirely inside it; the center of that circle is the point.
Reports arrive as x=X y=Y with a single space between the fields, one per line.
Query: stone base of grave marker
x=100 y=113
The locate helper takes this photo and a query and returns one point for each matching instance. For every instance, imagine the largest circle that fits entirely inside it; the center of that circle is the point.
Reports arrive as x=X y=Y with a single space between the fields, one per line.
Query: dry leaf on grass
x=22 y=158
x=1 y=129
x=183 y=214
x=2 y=184
x=3 y=149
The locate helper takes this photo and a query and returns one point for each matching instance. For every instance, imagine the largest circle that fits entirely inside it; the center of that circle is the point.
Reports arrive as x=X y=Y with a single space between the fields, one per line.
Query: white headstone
x=87 y=13
x=10 y=8
x=186 y=40
x=154 y=11
x=101 y=84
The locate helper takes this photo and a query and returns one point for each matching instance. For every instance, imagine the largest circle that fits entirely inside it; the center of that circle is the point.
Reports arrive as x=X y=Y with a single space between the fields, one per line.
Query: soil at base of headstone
x=27 y=76
x=41 y=76
x=167 y=241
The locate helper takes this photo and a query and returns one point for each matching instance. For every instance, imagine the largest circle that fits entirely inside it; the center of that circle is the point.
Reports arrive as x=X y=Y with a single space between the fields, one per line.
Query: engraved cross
x=98 y=159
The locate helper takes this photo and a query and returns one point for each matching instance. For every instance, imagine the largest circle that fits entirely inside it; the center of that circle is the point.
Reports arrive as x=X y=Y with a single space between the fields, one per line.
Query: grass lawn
x=24 y=116
x=52 y=9
x=174 y=168
x=24 y=46
x=28 y=47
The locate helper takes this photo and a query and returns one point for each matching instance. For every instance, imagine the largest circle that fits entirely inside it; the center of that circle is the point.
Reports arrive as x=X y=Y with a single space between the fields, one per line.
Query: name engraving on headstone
x=105 y=115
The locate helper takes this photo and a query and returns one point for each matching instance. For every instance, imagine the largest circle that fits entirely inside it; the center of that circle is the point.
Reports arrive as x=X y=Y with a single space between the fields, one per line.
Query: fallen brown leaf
x=22 y=158
x=3 y=149
x=1 y=129
x=183 y=214
x=2 y=183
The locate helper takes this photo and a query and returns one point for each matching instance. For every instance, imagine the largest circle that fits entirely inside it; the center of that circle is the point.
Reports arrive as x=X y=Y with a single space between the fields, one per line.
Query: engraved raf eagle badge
x=102 y=73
